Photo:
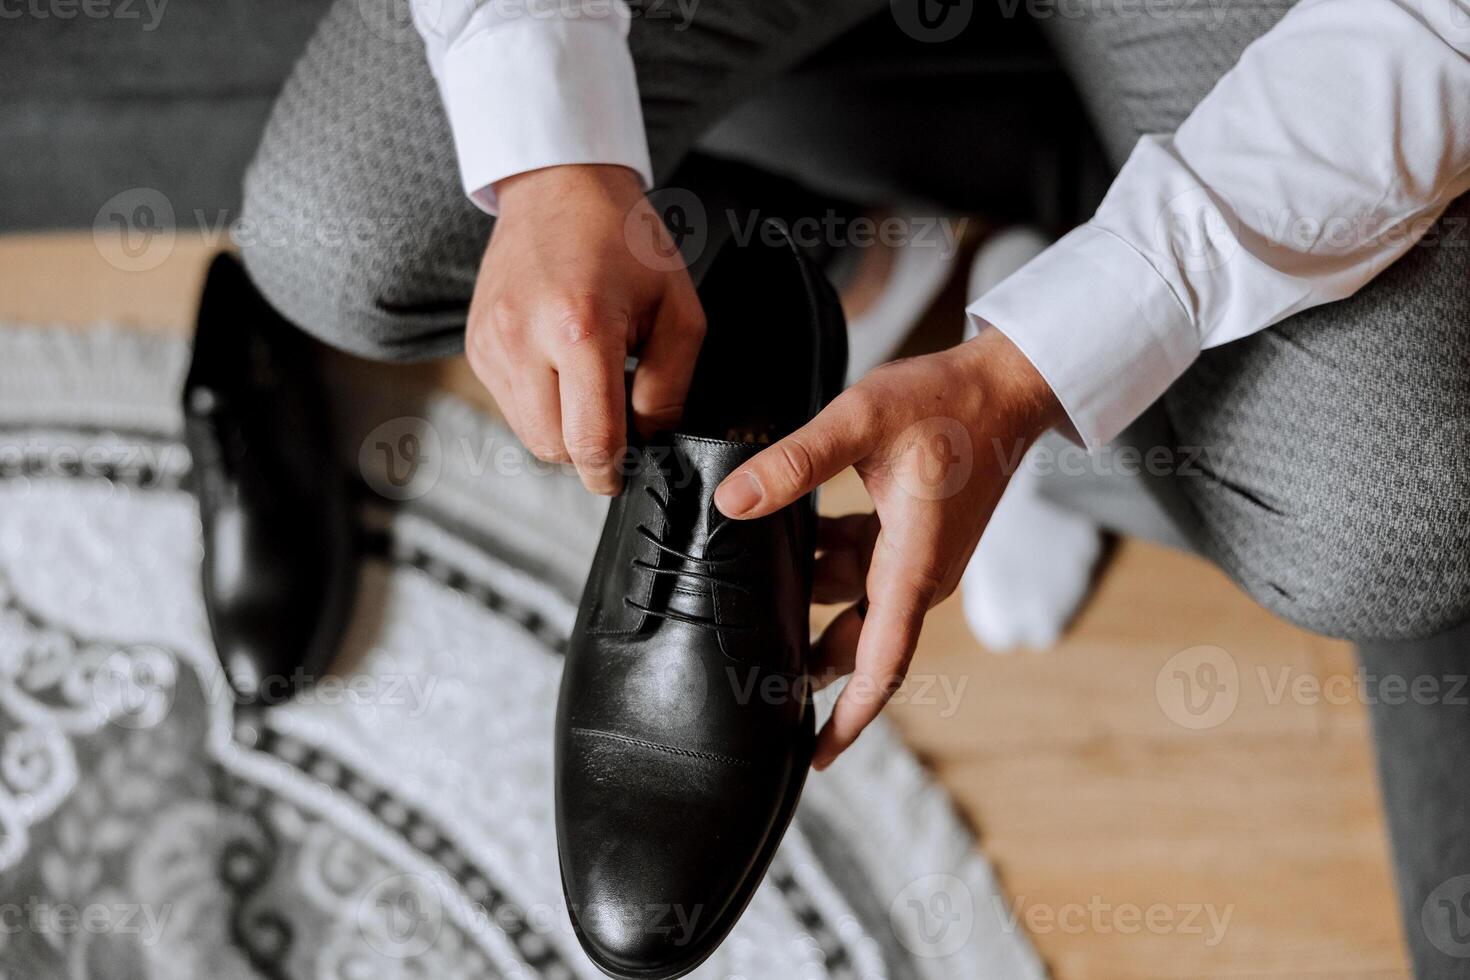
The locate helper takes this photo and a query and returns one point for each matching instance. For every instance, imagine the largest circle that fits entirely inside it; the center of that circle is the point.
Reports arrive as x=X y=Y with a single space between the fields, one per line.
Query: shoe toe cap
x=659 y=851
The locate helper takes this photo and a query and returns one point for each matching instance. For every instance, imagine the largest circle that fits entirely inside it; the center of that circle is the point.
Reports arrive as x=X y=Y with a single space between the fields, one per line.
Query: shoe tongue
x=702 y=463
x=693 y=468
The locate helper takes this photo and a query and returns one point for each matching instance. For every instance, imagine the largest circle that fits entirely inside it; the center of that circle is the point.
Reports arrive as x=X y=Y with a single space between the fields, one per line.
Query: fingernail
x=738 y=494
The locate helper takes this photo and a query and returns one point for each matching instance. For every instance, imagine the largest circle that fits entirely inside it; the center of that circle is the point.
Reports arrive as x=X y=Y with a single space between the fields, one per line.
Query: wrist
x=1012 y=386
x=610 y=181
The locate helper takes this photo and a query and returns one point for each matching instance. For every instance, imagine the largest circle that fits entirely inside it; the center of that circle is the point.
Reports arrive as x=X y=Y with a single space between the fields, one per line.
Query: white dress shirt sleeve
x=1315 y=163
x=534 y=83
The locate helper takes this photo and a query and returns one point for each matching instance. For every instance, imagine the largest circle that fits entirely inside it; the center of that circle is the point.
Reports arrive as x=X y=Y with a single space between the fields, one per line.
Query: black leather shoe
x=684 y=730
x=279 y=563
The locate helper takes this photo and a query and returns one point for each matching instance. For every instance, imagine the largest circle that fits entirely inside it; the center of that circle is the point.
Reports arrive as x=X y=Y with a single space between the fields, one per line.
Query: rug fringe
x=105 y=375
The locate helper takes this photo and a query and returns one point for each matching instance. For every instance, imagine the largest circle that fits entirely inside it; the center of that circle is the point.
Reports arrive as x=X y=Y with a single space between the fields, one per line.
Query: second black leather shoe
x=685 y=729
x=279 y=572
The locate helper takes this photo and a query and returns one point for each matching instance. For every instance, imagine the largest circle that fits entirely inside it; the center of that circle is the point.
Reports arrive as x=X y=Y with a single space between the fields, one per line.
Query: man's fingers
x=846 y=546
x=841 y=435
x=900 y=591
x=847 y=531
x=838 y=576
x=487 y=361
x=879 y=667
x=666 y=362
x=594 y=427
x=505 y=399
x=538 y=414
x=835 y=652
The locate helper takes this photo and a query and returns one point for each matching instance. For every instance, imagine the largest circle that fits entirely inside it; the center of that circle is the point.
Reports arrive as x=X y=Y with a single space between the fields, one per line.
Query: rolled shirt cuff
x=1104 y=329
x=543 y=92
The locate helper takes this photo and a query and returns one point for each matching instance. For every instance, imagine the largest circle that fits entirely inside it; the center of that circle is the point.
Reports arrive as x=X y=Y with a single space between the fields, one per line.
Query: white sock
x=1033 y=567
x=1031 y=571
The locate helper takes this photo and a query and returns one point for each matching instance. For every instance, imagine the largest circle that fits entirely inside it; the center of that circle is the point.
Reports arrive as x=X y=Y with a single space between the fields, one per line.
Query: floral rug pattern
x=395 y=821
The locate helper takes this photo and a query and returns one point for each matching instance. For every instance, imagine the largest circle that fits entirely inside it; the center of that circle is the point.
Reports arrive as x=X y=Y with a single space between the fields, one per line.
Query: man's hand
x=935 y=440
x=560 y=303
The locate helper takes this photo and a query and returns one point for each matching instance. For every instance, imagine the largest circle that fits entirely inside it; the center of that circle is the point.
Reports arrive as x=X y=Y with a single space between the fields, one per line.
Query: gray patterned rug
x=396 y=821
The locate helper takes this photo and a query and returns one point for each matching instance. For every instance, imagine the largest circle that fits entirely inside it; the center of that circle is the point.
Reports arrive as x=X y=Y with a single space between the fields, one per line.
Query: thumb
x=783 y=473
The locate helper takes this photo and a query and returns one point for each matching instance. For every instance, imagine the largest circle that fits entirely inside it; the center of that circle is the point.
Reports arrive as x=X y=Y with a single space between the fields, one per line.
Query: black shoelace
x=710 y=571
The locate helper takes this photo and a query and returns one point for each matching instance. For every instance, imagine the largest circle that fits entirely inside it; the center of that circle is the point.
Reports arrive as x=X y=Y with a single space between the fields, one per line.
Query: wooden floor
x=1131 y=844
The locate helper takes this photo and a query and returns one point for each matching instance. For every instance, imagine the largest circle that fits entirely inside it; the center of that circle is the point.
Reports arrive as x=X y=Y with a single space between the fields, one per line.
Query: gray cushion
x=94 y=106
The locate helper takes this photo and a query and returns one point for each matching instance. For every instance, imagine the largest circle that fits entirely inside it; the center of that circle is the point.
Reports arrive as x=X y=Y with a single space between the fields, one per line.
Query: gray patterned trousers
x=1330 y=476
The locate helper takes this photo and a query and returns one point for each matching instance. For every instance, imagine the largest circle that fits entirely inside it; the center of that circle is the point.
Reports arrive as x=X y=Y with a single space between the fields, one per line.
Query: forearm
x=1314 y=164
